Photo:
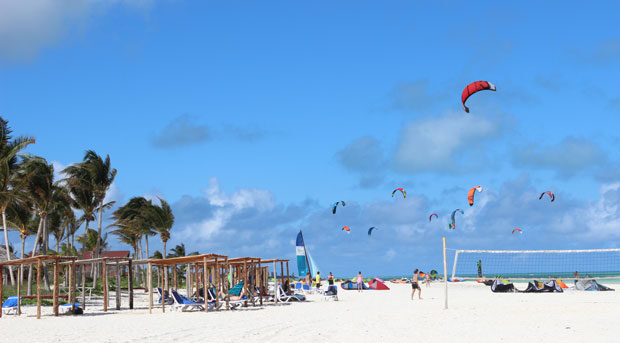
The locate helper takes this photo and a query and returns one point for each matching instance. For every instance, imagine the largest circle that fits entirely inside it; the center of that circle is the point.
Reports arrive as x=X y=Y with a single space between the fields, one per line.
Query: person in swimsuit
x=360 y=281
x=308 y=279
x=427 y=280
x=318 y=279
x=330 y=279
x=414 y=285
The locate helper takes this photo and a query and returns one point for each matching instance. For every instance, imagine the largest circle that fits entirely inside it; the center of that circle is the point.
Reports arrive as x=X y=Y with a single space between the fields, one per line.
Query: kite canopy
x=551 y=195
x=473 y=88
x=378 y=284
x=336 y=205
x=401 y=190
x=346 y=228
x=370 y=230
x=470 y=194
x=517 y=229
x=431 y=217
x=453 y=224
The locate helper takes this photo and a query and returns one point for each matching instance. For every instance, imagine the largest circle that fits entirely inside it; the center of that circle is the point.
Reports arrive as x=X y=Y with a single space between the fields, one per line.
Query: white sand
x=475 y=315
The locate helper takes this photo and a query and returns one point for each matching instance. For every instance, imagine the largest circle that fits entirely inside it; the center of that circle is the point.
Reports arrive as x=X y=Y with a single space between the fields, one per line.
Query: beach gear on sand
x=378 y=284
x=590 y=285
x=352 y=286
x=500 y=287
x=539 y=287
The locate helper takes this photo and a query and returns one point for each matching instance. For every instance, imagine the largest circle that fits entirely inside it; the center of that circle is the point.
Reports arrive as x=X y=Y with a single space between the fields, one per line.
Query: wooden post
x=69 y=276
x=245 y=283
x=260 y=281
x=174 y=275
x=105 y=285
x=188 y=279
x=83 y=286
x=275 y=280
x=217 y=285
x=72 y=296
x=163 y=288
x=150 y=287
x=130 y=283
x=55 y=293
x=205 y=282
x=282 y=272
x=118 y=286
x=1 y=284
x=19 y=282
x=226 y=284
x=39 y=266
x=445 y=274
x=287 y=273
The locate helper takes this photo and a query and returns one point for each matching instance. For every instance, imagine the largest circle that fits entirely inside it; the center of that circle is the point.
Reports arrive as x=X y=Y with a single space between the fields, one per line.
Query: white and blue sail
x=305 y=263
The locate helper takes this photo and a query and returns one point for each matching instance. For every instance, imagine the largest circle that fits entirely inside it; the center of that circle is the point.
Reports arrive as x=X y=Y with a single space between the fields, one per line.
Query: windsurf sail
x=303 y=267
x=313 y=266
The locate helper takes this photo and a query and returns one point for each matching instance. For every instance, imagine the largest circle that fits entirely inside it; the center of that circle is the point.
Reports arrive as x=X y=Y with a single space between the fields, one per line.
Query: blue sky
x=253 y=118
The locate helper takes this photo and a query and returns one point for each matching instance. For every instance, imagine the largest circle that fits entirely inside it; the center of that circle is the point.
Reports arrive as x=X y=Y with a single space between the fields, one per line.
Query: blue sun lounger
x=182 y=303
x=10 y=305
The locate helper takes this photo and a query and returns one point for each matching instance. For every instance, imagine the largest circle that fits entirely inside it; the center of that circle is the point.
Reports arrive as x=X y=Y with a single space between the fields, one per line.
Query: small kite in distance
x=473 y=88
x=336 y=205
x=551 y=195
x=401 y=190
x=470 y=194
x=452 y=225
x=431 y=217
x=346 y=228
x=370 y=230
x=515 y=230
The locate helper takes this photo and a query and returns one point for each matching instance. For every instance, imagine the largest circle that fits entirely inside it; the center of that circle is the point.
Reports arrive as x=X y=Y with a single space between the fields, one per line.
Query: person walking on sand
x=360 y=282
x=414 y=284
x=427 y=280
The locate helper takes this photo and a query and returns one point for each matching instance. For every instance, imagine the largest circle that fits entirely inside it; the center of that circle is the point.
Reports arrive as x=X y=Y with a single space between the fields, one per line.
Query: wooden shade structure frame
x=108 y=261
x=274 y=262
x=209 y=263
x=39 y=260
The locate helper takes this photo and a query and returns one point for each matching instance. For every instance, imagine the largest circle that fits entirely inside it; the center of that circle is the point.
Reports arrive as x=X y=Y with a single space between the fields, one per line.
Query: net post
x=456 y=257
x=445 y=274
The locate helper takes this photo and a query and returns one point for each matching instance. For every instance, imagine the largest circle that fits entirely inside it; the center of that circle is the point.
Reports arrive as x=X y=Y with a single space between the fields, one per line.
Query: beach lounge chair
x=168 y=300
x=232 y=303
x=66 y=308
x=182 y=303
x=10 y=305
x=331 y=293
x=283 y=297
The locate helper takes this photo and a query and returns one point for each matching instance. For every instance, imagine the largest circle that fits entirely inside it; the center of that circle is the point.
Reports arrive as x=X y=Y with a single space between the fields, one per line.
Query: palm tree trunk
x=163 y=255
x=22 y=266
x=99 y=217
x=46 y=279
x=6 y=244
x=147 y=246
x=34 y=249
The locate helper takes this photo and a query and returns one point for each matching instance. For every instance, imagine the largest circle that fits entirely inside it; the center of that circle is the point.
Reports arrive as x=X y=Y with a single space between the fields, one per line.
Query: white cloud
x=566 y=157
x=26 y=27
x=437 y=144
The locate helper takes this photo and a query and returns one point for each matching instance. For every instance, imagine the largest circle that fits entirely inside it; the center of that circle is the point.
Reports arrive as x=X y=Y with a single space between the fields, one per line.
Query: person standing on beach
x=427 y=280
x=308 y=279
x=414 y=285
x=318 y=279
x=360 y=282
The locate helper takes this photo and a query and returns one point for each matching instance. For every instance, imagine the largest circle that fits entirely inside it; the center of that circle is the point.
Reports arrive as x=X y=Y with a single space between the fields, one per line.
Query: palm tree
x=101 y=175
x=162 y=219
x=21 y=216
x=136 y=214
x=59 y=208
x=177 y=251
x=82 y=194
x=9 y=148
x=38 y=176
x=90 y=239
x=70 y=224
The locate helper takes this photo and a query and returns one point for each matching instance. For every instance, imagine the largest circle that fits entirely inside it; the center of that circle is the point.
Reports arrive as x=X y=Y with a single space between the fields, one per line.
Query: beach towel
x=237 y=289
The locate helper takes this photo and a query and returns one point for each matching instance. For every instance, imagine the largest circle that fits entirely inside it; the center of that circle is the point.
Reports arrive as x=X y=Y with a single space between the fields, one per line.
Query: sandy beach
x=474 y=314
